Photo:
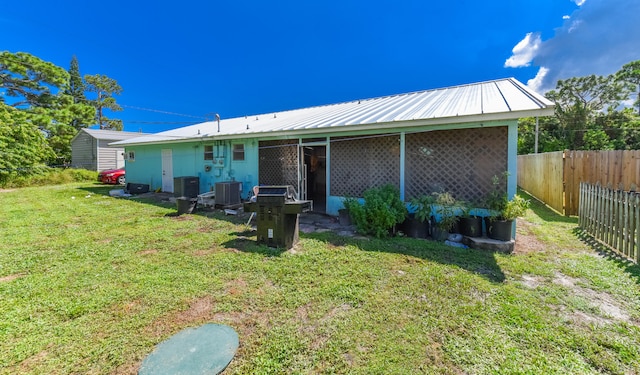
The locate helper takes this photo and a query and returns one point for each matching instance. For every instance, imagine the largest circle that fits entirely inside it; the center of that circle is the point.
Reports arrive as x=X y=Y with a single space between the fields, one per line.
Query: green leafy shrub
x=349 y=203
x=49 y=176
x=381 y=211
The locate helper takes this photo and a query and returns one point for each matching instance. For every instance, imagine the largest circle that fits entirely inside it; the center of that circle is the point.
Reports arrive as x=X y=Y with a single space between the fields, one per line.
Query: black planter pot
x=439 y=234
x=343 y=217
x=499 y=229
x=415 y=228
x=471 y=226
x=436 y=233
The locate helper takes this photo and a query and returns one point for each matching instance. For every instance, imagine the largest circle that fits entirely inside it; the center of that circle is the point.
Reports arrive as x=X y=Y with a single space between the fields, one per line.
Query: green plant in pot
x=470 y=225
x=446 y=208
x=504 y=212
x=417 y=224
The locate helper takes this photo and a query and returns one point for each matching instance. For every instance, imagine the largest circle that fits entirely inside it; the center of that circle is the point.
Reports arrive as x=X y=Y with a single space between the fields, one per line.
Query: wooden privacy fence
x=555 y=177
x=542 y=176
x=612 y=217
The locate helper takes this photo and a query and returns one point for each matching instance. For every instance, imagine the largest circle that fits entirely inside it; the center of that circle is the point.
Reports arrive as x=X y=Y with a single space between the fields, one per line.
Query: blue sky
x=237 y=58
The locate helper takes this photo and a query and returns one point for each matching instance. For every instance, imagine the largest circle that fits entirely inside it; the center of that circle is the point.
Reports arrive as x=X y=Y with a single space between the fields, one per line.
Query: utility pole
x=535 y=147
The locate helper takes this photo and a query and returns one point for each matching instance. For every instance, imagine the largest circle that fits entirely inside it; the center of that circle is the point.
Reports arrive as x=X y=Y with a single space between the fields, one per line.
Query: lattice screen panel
x=361 y=163
x=462 y=162
x=278 y=163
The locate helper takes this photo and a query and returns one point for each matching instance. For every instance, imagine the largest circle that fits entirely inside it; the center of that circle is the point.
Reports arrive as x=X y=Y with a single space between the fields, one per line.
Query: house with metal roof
x=90 y=149
x=454 y=139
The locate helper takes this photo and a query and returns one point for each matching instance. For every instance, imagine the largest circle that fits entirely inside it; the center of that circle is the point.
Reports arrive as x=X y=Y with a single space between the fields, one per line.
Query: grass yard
x=91 y=283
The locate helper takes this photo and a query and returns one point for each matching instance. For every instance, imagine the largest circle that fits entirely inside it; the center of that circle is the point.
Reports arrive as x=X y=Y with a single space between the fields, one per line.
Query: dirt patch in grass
x=237 y=286
x=609 y=308
x=7 y=190
x=127 y=369
x=320 y=337
x=6 y=279
x=202 y=253
x=177 y=217
x=526 y=241
x=32 y=362
x=531 y=281
x=199 y=312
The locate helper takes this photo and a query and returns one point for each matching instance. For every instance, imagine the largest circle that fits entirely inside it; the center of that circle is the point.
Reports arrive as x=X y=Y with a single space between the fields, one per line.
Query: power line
x=159 y=122
x=161 y=111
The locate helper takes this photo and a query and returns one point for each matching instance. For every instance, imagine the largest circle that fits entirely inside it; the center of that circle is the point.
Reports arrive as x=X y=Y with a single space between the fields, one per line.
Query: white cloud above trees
x=597 y=38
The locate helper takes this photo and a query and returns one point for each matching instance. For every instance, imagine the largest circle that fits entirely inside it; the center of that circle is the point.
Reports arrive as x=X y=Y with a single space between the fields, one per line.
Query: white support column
x=402 y=158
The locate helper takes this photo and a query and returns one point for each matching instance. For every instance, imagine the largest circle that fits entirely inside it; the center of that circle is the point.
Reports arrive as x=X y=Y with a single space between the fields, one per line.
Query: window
x=208 y=152
x=238 y=152
x=130 y=155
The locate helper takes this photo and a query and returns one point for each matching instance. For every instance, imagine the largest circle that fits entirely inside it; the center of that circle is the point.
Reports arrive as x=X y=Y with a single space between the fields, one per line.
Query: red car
x=112 y=176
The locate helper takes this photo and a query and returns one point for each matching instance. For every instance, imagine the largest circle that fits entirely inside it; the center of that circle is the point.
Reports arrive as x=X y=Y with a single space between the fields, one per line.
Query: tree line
x=591 y=113
x=43 y=106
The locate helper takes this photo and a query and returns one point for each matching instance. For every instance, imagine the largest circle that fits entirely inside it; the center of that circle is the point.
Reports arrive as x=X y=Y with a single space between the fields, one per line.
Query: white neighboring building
x=90 y=149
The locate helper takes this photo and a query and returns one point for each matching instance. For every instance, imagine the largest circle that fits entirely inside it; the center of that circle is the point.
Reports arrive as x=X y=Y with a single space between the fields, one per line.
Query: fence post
x=625 y=247
x=637 y=231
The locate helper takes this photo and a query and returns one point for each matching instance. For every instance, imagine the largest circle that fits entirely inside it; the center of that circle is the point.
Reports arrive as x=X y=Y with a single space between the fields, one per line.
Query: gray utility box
x=277 y=215
x=186 y=190
x=228 y=193
x=186 y=186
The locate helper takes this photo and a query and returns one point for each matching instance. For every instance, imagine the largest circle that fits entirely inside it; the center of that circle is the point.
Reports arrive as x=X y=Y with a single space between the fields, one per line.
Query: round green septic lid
x=202 y=350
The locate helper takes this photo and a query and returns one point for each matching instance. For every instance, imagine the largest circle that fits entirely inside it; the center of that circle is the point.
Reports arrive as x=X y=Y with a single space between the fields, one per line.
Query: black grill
x=277 y=212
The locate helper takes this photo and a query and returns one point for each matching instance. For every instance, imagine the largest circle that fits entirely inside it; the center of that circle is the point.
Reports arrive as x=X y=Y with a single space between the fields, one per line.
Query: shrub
x=381 y=211
x=50 y=176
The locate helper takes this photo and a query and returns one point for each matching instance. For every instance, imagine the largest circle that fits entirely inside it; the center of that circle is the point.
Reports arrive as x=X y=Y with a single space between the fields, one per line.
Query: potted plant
x=470 y=225
x=504 y=211
x=446 y=210
x=344 y=214
x=417 y=224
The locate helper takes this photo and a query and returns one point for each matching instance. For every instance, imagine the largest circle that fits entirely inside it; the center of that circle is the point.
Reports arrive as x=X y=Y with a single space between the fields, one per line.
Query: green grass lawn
x=91 y=283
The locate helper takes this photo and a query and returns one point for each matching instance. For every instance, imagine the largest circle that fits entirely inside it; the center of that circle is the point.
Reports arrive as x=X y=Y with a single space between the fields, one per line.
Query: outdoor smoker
x=277 y=212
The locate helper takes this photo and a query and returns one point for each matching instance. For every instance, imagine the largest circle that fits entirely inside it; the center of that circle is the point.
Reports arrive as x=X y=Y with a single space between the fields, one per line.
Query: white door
x=119 y=158
x=167 y=171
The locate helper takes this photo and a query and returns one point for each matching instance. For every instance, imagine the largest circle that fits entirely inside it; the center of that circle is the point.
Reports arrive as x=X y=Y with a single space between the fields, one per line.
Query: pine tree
x=76 y=91
x=104 y=88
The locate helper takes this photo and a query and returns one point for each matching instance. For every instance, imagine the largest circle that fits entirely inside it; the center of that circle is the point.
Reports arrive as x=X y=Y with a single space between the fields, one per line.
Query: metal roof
x=113 y=135
x=503 y=99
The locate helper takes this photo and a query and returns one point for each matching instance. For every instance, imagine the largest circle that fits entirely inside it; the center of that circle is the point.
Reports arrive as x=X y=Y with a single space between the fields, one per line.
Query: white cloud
x=535 y=83
x=574 y=26
x=579 y=2
x=524 y=51
x=566 y=17
x=597 y=38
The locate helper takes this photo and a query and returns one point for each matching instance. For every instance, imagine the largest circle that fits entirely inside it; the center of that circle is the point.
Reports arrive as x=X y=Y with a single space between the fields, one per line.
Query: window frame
x=239 y=153
x=208 y=153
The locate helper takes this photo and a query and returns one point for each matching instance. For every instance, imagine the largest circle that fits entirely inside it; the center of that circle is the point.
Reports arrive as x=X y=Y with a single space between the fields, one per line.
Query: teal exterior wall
x=188 y=160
